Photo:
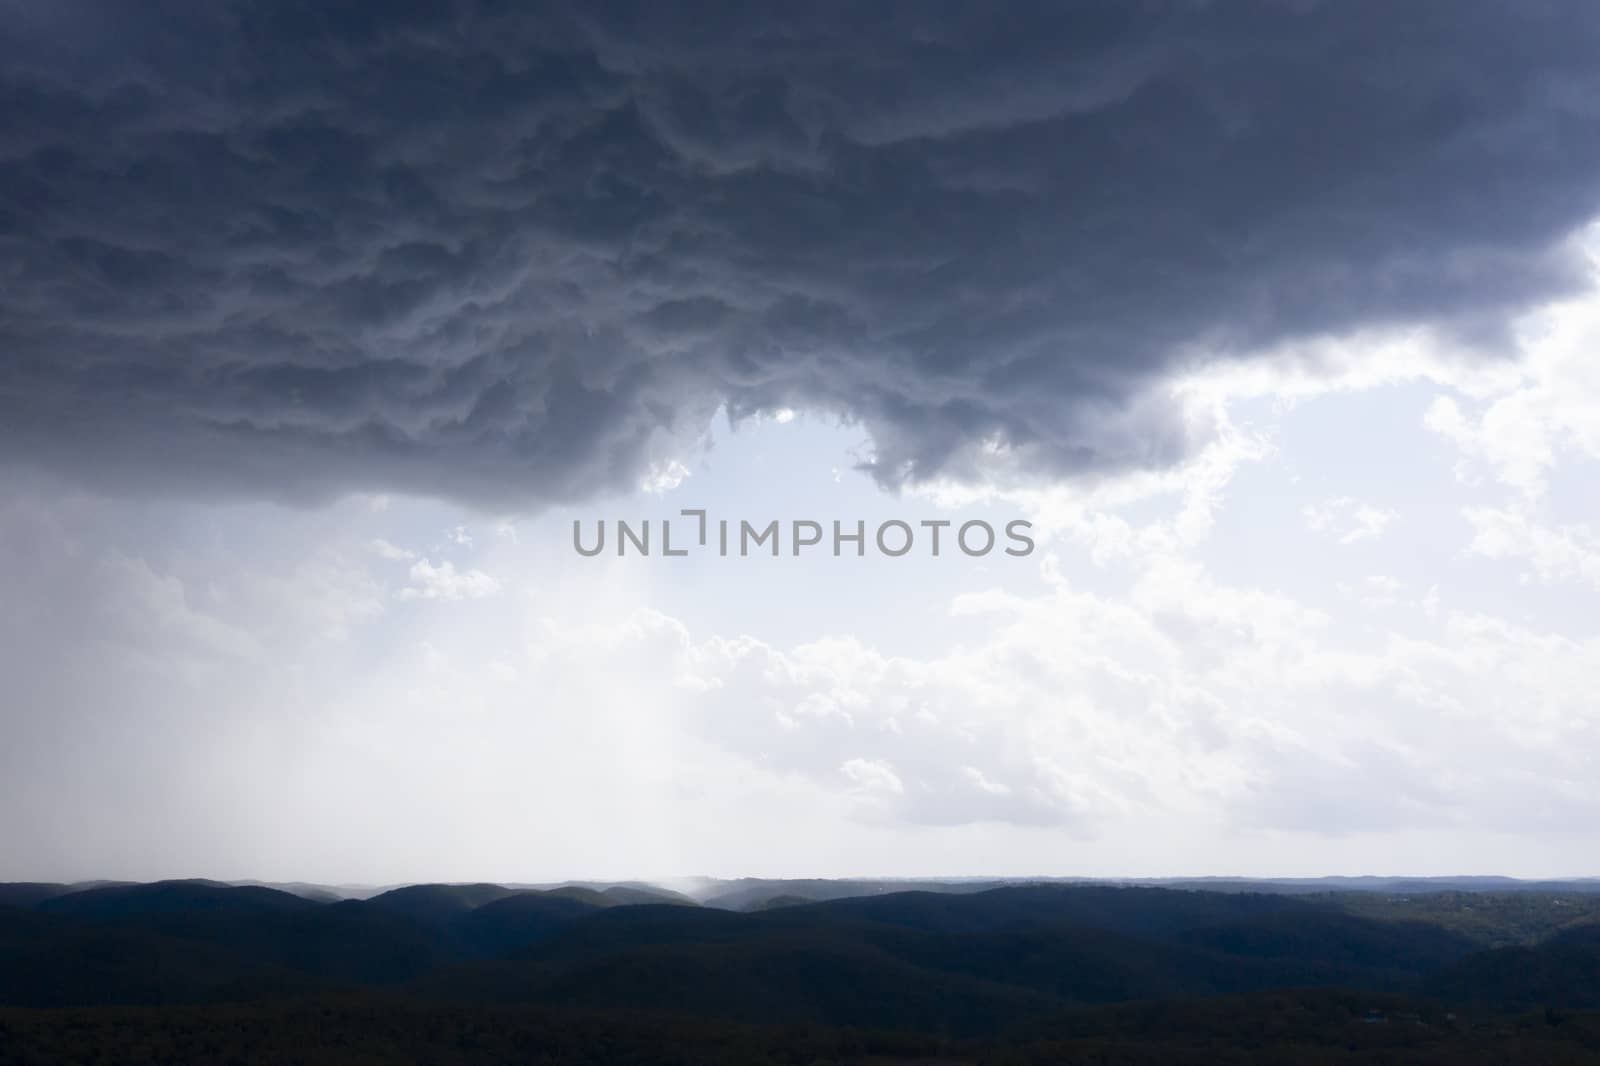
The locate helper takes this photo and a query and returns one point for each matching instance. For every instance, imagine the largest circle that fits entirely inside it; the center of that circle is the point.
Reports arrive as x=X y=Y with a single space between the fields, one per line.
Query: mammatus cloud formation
x=519 y=253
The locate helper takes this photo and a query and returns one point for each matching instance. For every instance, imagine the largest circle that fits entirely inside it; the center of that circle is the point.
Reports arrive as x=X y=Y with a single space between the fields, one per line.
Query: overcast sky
x=319 y=330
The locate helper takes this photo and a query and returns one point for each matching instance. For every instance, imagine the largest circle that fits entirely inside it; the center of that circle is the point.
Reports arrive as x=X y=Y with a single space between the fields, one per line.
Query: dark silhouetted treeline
x=196 y=971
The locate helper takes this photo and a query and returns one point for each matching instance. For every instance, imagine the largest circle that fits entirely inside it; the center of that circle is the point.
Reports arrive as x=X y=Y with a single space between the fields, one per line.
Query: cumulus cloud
x=514 y=255
x=872 y=777
x=1554 y=553
x=1187 y=696
x=392 y=552
x=1521 y=429
x=1347 y=520
x=445 y=582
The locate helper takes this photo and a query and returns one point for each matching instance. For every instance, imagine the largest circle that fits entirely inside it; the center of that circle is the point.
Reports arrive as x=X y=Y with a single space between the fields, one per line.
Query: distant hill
x=28 y=893
x=1386 y=885
x=1135 y=975
x=964 y=964
x=624 y=895
x=782 y=901
x=315 y=893
x=436 y=904
x=1005 y=955
x=516 y=921
x=621 y=892
x=751 y=893
x=187 y=897
x=1131 y=910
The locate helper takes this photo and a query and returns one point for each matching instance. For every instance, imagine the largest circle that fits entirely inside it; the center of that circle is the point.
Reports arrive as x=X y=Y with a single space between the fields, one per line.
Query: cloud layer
x=515 y=253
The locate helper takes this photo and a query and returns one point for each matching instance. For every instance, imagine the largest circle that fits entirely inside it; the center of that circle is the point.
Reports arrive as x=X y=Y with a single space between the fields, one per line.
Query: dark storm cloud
x=507 y=253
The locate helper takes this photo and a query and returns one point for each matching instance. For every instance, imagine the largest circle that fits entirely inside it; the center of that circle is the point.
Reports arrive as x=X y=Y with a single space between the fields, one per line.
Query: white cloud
x=1184 y=698
x=444 y=582
x=392 y=552
x=982 y=782
x=1089 y=513
x=1349 y=521
x=872 y=777
x=663 y=477
x=1545 y=405
x=1555 y=553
